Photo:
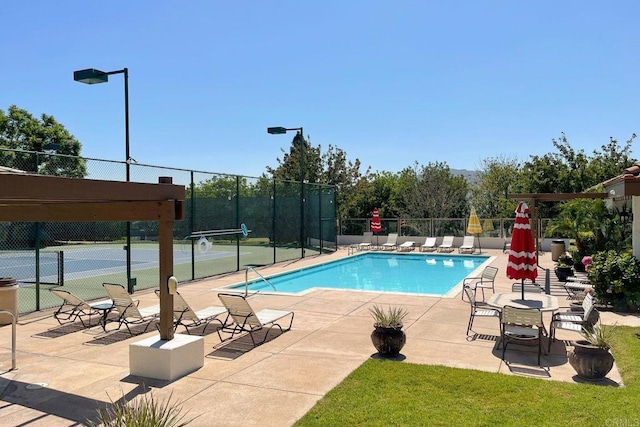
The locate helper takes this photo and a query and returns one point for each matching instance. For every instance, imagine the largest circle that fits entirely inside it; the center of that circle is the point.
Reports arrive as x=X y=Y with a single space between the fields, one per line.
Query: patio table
x=543 y=302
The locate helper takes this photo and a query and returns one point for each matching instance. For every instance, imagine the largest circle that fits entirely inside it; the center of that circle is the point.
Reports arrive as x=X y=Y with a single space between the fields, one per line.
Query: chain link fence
x=81 y=256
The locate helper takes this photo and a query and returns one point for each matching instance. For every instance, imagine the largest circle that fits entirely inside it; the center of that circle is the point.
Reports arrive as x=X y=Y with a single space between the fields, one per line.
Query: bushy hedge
x=616 y=279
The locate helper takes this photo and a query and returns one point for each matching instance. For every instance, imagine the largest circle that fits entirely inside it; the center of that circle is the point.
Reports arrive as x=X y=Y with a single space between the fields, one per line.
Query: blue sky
x=390 y=83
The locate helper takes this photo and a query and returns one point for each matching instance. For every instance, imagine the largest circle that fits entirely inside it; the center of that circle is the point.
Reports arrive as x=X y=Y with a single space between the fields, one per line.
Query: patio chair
x=390 y=244
x=521 y=324
x=189 y=318
x=366 y=241
x=486 y=280
x=468 y=245
x=576 y=286
x=446 y=245
x=429 y=245
x=73 y=307
x=479 y=308
x=127 y=308
x=406 y=246
x=245 y=319
x=574 y=320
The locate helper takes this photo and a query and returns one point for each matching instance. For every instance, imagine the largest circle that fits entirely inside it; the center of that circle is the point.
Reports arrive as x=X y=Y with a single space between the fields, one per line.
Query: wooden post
x=166 y=271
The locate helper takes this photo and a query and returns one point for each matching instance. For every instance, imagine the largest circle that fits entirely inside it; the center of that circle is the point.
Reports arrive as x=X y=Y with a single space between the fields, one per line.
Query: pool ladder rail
x=246 y=278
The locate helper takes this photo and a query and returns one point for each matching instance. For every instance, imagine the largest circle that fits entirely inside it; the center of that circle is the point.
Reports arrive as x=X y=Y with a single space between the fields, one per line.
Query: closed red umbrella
x=522 y=254
x=375 y=225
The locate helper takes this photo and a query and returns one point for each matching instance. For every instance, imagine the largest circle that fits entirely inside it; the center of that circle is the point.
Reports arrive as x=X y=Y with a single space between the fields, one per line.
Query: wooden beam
x=104 y=211
x=16 y=187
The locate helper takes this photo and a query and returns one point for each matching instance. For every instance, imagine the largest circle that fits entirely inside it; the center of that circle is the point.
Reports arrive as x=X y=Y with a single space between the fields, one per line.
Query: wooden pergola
x=40 y=198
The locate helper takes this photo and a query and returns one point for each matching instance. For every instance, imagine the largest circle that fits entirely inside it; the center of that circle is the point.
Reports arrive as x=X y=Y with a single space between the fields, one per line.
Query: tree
x=496 y=177
x=20 y=130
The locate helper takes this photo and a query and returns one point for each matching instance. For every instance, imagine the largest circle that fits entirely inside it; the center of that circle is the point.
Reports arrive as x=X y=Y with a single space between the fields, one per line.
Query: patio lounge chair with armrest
x=576 y=286
x=406 y=246
x=127 y=308
x=366 y=241
x=391 y=242
x=446 y=245
x=468 y=245
x=574 y=321
x=189 y=318
x=478 y=308
x=73 y=307
x=521 y=324
x=486 y=280
x=245 y=319
x=429 y=245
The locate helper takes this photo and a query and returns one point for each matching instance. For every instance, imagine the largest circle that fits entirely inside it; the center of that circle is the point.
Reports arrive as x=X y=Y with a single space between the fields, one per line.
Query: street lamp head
x=276 y=130
x=90 y=76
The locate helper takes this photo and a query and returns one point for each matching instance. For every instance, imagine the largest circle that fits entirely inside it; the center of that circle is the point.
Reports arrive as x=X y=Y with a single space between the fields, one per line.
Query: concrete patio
x=64 y=373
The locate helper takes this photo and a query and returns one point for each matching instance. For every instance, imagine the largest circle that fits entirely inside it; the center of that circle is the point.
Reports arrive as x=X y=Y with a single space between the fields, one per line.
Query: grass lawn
x=391 y=393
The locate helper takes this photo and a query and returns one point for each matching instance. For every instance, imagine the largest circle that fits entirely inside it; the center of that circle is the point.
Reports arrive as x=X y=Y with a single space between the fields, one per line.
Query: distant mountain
x=470 y=176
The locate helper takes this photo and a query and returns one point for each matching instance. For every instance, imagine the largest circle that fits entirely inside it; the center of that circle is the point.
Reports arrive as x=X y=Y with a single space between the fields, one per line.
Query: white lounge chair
x=446 y=245
x=127 y=308
x=245 y=319
x=390 y=244
x=429 y=245
x=366 y=241
x=406 y=246
x=73 y=307
x=189 y=318
x=468 y=245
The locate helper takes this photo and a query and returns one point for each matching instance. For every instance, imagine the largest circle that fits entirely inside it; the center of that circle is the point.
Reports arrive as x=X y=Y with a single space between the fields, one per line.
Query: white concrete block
x=166 y=360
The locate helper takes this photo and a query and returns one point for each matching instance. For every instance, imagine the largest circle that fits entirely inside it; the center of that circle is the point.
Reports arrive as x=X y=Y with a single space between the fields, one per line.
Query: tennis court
x=69 y=263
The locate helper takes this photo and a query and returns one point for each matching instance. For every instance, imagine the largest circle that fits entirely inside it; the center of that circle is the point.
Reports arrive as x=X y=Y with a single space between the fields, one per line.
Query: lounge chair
x=189 y=318
x=429 y=245
x=446 y=245
x=406 y=246
x=390 y=244
x=366 y=241
x=468 y=245
x=576 y=286
x=245 y=319
x=73 y=307
x=486 y=280
x=574 y=321
x=478 y=308
x=521 y=324
x=127 y=308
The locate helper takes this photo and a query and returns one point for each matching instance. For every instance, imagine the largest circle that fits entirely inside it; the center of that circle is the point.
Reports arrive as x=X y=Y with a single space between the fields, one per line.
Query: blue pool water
x=408 y=273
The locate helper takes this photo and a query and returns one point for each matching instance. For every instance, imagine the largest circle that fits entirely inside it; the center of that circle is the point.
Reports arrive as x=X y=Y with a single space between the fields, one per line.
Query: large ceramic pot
x=388 y=341
x=563 y=272
x=589 y=361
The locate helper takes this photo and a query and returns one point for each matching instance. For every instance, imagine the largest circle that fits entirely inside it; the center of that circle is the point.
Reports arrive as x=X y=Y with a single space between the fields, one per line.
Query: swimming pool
x=430 y=274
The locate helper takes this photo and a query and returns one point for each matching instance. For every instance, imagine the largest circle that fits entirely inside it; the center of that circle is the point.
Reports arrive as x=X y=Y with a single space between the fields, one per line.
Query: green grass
x=390 y=393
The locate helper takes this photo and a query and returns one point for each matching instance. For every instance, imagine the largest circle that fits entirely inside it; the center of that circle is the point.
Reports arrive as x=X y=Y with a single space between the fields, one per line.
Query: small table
x=543 y=302
x=105 y=308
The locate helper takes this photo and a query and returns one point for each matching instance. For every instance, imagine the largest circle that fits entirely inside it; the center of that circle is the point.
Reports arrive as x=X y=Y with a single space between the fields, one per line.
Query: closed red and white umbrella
x=376 y=225
x=522 y=254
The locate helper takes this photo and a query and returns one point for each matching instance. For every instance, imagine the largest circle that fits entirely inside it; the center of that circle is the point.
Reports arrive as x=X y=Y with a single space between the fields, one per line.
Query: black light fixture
x=279 y=130
x=92 y=76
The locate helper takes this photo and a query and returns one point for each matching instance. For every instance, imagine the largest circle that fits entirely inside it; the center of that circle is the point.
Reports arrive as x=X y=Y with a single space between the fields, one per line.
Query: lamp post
x=92 y=76
x=279 y=131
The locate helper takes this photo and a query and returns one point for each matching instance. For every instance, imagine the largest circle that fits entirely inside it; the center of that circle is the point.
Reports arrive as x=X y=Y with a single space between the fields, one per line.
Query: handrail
x=13 y=336
x=246 y=279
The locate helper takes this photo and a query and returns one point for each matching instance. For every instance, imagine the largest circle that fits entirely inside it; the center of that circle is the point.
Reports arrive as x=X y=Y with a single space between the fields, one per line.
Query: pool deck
x=63 y=373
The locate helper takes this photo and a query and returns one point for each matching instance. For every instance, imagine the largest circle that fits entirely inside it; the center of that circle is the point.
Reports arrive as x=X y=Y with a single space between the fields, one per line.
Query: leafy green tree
x=20 y=130
x=497 y=177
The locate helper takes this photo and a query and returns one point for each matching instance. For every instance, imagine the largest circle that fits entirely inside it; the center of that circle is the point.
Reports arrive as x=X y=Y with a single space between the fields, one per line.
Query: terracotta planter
x=590 y=362
x=388 y=341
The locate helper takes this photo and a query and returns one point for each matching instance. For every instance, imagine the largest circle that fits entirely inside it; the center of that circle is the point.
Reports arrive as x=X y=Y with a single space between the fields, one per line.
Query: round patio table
x=543 y=302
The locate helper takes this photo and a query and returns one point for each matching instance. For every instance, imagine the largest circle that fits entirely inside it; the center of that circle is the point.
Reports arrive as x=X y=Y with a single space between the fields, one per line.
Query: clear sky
x=388 y=82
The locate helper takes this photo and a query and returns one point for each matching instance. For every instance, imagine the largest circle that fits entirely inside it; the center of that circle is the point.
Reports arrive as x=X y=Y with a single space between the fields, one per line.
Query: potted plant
x=564 y=267
x=590 y=357
x=388 y=337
